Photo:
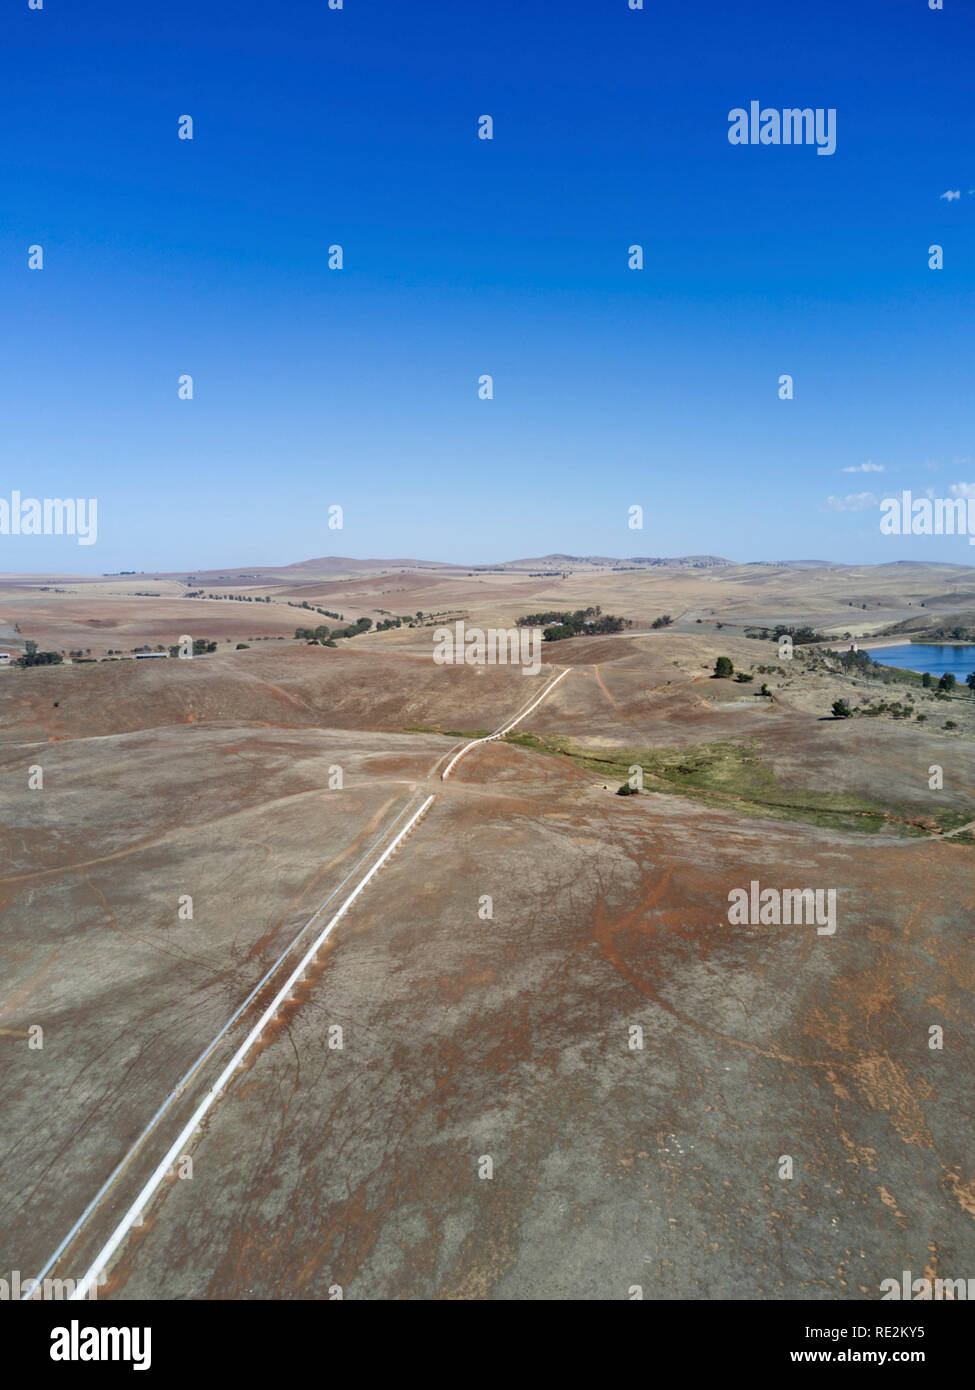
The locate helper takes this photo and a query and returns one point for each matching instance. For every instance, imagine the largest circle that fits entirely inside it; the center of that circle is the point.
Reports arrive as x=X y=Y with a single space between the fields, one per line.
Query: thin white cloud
x=852 y=502
x=867 y=467
x=962 y=489
x=951 y=194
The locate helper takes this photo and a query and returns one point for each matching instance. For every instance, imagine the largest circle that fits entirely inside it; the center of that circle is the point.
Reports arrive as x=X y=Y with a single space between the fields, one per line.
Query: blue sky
x=358 y=387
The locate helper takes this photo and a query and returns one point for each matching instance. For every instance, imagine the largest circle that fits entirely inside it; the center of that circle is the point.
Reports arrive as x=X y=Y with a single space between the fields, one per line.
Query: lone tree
x=723 y=668
x=947 y=682
x=926 y=680
x=841 y=710
x=970 y=681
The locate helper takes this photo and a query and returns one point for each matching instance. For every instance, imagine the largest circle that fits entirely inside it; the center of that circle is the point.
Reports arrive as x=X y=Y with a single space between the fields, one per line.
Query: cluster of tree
x=442 y=615
x=948 y=634
x=858 y=663
x=312 y=609
x=32 y=657
x=558 y=616
x=947 y=682
x=664 y=621
x=607 y=623
x=324 y=637
x=239 y=598
x=559 y=625
x=313 y=634
x=201 y=646
x=353 y=630
x=319 y=634
x=862 y=665
x=799 y=635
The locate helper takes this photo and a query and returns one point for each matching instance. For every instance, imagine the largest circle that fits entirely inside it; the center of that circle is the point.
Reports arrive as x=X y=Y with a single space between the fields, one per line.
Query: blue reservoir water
x=918 y=656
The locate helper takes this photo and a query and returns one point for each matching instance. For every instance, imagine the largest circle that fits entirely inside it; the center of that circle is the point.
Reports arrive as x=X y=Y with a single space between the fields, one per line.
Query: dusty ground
x=469 y=1037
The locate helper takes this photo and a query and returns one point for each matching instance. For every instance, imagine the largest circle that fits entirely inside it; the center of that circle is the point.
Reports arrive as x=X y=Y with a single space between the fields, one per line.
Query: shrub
x=841 y=710
x=723 y=668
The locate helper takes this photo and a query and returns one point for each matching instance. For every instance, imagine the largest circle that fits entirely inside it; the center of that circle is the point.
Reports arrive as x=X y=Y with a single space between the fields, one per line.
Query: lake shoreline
x=936 y=658
x=867 y=644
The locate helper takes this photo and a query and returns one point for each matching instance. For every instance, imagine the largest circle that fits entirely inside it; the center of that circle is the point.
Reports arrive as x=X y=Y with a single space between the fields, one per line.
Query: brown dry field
x=467 y=1037
x=115 y=613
